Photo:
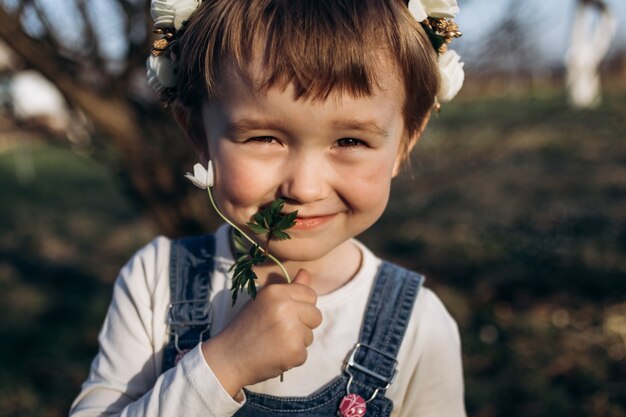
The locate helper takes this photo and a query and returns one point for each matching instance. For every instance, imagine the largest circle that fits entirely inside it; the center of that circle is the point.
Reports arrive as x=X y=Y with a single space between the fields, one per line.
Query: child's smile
x=331 y=160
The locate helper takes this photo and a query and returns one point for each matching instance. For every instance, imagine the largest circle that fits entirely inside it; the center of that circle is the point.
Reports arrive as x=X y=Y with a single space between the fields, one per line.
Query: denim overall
x=369 y=370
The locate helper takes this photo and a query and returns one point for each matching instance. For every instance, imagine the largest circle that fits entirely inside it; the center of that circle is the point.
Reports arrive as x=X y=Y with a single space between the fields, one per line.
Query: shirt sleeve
x=435 y=387
x=124 y=379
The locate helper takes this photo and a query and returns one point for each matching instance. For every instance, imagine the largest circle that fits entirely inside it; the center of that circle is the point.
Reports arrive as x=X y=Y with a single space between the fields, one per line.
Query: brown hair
x=317 y=45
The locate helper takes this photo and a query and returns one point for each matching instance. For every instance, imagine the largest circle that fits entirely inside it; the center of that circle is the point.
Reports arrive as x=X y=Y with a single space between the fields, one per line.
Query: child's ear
x=192 y=125
x=404 y=153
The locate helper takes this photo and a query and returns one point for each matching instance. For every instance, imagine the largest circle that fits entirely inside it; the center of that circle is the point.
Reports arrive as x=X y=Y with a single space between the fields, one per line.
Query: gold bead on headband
x=441 y=32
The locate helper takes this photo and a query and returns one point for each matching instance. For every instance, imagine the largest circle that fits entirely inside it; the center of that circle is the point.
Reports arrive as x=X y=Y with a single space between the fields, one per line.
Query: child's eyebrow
x=240 y=126
x=368 y=126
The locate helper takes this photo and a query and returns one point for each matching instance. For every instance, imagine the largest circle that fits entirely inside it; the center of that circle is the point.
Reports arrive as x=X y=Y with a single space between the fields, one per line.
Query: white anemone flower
x=160 y=72
x=202 y=177
x=172 y=13
x=421 y=9
x=441 y=8
x=452 y=76
x=450 y=66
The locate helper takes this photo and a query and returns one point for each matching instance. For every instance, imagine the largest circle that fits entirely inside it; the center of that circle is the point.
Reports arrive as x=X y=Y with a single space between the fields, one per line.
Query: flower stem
x=244 y=234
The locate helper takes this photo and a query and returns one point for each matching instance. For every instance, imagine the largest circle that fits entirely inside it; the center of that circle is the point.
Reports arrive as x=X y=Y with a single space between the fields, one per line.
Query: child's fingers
x=310 y=316
x=303 y=277
x=301 y=288
x=298 y=290
x=308 y=338
x=302 y=293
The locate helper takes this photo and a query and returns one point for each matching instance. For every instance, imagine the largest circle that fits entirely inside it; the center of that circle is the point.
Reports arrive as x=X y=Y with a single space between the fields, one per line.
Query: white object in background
x=593 y=30
x=35 y=96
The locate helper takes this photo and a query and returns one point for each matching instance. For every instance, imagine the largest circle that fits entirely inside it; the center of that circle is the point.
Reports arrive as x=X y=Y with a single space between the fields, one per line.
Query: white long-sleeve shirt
x=125 y=377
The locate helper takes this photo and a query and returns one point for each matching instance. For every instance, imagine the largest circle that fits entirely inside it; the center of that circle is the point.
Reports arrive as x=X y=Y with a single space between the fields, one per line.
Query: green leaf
x=435 y=39
x=252 y=289
x=260 y=220
x=234 y=298
x=276 y=207
x=278 y=235
x=243 y=278
x=239 y=244
x=259 y=230
x=286 y=221
x=268 y=221
x=257 y=256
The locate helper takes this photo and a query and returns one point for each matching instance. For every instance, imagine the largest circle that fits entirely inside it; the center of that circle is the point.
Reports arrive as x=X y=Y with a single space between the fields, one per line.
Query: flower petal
x=195 y=181
x=160 y=71
x=172 y=13
x=452 y=76
x=153 y=80
x=417 y=10
x=181 y=15
x=441 y=8
x=201 y=177
x=162 y=12
x=210 y=175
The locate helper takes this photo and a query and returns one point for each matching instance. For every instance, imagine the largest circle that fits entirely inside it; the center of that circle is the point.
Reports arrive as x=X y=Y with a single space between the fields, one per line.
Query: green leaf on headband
x=437 y=40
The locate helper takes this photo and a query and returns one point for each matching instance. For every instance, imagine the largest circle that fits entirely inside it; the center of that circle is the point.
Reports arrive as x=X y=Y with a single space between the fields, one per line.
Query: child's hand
x=268 y=337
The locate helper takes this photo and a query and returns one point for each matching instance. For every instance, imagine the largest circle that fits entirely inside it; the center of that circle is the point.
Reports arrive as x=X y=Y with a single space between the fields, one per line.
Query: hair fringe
x=317 y=46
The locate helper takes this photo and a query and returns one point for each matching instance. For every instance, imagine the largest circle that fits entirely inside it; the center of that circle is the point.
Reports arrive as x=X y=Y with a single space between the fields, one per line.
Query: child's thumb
x=302 y=277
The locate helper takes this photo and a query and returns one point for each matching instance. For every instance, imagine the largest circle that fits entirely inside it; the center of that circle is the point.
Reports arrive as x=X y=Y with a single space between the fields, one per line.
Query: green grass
x=65 y=231
x=514 y=209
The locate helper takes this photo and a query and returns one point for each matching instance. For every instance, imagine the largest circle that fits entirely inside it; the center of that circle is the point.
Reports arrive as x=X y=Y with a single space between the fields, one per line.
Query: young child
x=318 y=103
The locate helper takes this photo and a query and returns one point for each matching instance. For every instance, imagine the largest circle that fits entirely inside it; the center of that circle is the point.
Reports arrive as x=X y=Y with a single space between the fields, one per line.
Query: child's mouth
x=311 y=222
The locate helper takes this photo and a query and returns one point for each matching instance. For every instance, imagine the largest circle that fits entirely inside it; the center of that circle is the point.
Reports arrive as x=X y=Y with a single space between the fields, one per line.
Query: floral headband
x=434 y=15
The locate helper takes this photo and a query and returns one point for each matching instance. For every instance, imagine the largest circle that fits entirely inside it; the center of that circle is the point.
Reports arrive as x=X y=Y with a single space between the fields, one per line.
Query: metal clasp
x=205 y=321
x=387 y=380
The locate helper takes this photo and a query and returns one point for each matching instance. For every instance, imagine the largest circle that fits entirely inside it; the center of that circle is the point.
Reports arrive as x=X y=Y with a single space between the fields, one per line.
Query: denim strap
x=189 y=312
x=372 y=365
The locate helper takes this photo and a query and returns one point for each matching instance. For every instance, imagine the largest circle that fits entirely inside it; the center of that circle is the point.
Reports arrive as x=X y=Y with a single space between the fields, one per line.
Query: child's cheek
x=373 y=174
x=369 y=185
x=240 y=185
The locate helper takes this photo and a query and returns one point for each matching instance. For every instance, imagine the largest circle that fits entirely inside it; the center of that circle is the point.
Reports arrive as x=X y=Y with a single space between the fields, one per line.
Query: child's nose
x=304 y=180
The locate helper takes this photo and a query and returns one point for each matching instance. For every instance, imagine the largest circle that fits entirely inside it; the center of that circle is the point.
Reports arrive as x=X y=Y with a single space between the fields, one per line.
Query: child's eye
x=262 y=139
x=349 y=142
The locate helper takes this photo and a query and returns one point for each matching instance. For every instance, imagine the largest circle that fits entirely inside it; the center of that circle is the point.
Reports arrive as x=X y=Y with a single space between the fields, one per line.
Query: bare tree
x=593 y=30
x=94 y=52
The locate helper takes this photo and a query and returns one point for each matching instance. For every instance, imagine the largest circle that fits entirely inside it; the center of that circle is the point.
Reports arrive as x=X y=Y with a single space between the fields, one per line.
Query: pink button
x=352 y=405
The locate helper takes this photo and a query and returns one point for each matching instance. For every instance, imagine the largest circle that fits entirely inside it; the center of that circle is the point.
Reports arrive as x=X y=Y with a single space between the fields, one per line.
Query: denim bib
x=369 y=370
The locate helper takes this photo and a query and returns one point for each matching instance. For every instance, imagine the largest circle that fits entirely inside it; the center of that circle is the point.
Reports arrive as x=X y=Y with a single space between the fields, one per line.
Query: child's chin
x=298 y=251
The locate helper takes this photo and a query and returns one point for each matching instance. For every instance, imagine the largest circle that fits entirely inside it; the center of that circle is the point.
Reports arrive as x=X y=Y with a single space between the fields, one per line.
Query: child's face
x=331 y=160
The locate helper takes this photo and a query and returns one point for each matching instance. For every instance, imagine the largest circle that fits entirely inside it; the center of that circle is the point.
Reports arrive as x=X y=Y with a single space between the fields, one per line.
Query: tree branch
x=111 y=115
x=91 y=40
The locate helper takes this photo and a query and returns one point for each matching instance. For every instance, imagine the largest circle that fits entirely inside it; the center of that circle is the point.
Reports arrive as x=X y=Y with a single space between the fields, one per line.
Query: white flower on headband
x=452 y=76
x=161 y=73
x=202 y=177
x=172 y=13
x=450 y=65
x=421 y=9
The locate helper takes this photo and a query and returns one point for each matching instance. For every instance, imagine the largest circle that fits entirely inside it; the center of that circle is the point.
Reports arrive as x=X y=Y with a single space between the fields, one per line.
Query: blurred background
x=514 y=205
